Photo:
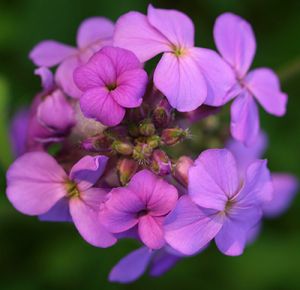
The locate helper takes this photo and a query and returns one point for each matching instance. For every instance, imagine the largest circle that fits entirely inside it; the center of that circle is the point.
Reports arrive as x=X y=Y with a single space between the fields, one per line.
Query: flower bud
x=126 y=169
x=142 y=153
x=161 y=163
x=147 y=128
x=99 y=143
x=162 y=114
x=133 y=130
x=181 y=169
x=172 y=136
x=122 y=147
x=153 y=141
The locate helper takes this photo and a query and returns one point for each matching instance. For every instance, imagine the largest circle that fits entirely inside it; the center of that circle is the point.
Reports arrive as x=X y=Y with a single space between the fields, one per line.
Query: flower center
x=72 y=190
x=111 y=86
x=228 y=205
x=178 y=51
x=142 y=212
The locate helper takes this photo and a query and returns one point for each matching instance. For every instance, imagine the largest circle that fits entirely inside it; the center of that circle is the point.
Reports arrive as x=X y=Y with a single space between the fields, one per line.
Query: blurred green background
x=53 y=256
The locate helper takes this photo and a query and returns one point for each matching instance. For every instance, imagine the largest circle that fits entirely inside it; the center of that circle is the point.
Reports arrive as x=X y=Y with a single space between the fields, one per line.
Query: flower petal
x=35 y=182
x=88 y=224
x=244 y=124
x=58 y=213
x=132 y=266
x=265 y=86
x=235 y=41
x=218 y=76
x=151 y=231
x=88 y=170
x=98 y=104
x=285 y=188
x=46 y=78
x=181 y=81
x=50 y=53
x=176 y=26
x=134 y=32
x=94 y=29
x=213 y=179
x=188 y=228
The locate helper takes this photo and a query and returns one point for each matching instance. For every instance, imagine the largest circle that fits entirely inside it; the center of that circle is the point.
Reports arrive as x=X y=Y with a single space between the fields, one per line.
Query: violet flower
x=92 y=34
x=218 y=205
x=37 y=185
x=144 y=202
x=111 y=81
x=188 y=76
x=236 y=43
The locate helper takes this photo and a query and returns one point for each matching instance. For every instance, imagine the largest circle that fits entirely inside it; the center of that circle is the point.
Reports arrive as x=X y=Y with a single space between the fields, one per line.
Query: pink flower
x=38 y=185
x=92 y=34
x=235 y=41
x=111 y=81
x=188 y=76
x=143 y=203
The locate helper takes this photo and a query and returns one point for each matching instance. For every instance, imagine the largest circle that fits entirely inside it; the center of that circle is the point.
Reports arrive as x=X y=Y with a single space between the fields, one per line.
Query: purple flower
x=135 y=264
x=235 y=41
x=38 y=185
x=188 y=76
x=219 y=205
x=285 y=185
x=92 y=34
x=144 y=202
x=111 y=81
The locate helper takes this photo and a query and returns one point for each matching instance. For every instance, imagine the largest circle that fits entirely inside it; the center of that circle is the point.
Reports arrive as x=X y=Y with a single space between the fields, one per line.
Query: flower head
x=144 y=203
x=111 y=81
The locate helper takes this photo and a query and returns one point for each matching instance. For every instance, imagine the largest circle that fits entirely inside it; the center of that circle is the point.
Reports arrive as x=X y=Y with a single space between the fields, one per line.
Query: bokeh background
x=53 y=256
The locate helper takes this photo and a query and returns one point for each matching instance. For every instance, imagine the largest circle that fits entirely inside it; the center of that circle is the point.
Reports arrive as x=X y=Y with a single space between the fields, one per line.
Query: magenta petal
x=94 y=29
x=218 y=76
x=159 y=196
x=133 y=32
x=120 y=211
x=131 y=88
x=56 y=114
x=265 y=86
x=64 y=76
x=98 y=104
x=258 y=187
x=35 y=182
x=132 y=266
x=58 y=213
x=244 y=119
x=151 y=231
x=88 y=170
x=89 y=225
x=177 y=27
x=49 y=53
x=235 y=41
x=188 y=228
x=285 y=188
x=181 y=81
x=46 y=78
x=213 y=179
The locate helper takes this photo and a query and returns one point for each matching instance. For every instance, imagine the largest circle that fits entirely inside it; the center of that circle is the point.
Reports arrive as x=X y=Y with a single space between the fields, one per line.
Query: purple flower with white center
x=236 y=43
x=51 y=115
x=92 y=34
x=111 y=81
x=285 y=185
x=144 y=203
x=38 y=185
x=135 y=264
x=218 y=205
x=188 y=76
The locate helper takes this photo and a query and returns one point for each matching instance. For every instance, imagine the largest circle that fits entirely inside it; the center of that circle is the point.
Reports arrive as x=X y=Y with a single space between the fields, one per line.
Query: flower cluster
x=97 y=146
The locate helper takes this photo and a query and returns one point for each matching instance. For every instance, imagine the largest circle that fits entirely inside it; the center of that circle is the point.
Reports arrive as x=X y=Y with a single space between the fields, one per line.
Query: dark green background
x=36 y=255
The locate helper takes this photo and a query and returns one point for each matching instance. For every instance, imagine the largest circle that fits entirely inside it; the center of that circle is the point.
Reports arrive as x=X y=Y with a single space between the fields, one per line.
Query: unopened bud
x=99 y=143
x=122 y=147
x=126 y=169
x=162 y=114
x=161 y=163
x=142 y=153
x=147 y=128
x=172 y=136
x=133 y=130
x=181 y=169
x=153 y=141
